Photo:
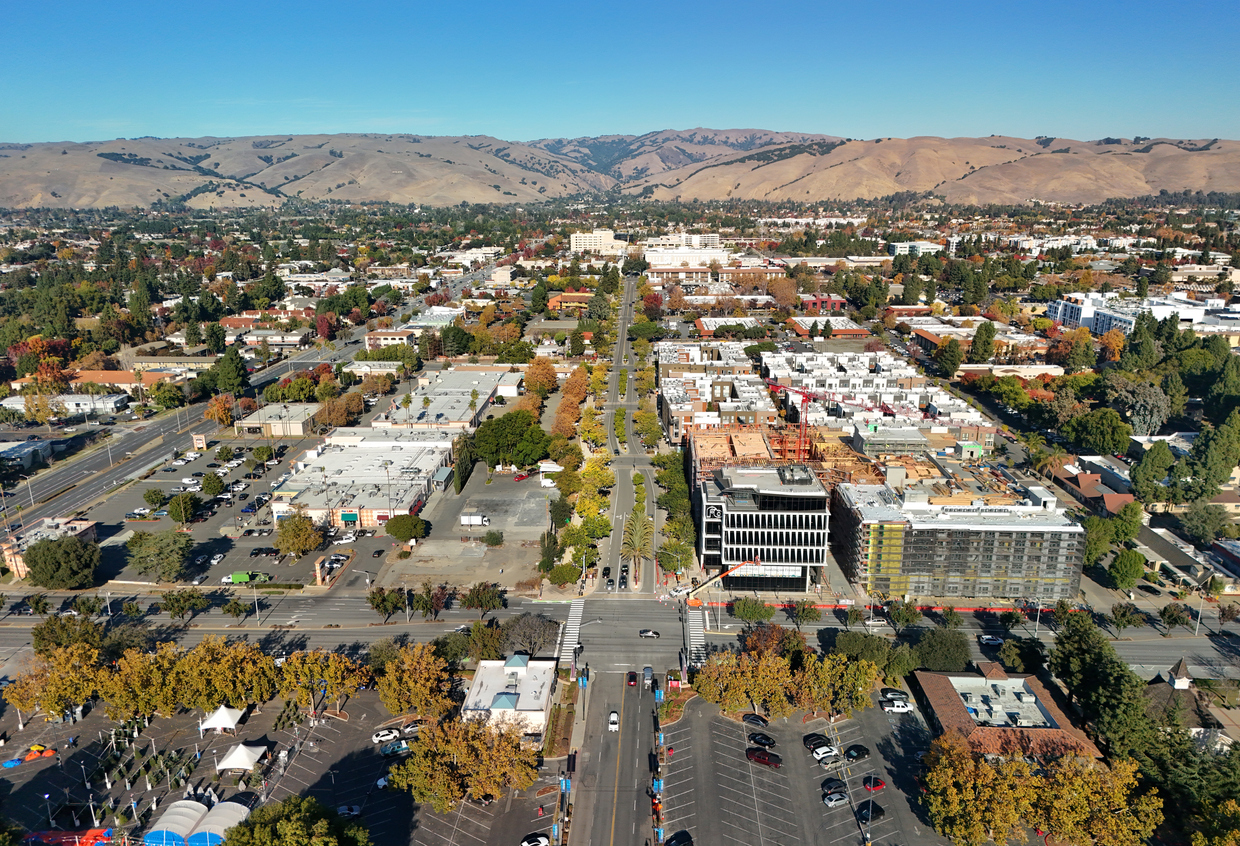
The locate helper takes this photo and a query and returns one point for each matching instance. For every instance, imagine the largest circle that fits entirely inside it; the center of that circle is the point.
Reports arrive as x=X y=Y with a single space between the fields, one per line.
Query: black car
x=1150 y=589
x=856 y=752
x=755 y=720
x=834 y=785
x=680 y=838
x=606 y=572
x=198 y=474
x=814 y=740
x=869 y=811
x=624 y=582
x=757 y=738
x=378 y=553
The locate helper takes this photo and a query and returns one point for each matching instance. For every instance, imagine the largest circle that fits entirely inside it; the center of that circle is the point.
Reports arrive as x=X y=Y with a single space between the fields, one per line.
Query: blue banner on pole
x=658 y=696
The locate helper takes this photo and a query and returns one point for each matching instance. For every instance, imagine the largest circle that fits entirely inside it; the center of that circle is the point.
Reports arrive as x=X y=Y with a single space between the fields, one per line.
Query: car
x=833 y=785
x=142 y=511
x=520 y=477
x=349 y=811
x=892 y=694
x=755 y=720
x=378 y=553
x=872 y=783
x=188 y=480
x=242 y=497
x=632 y=679
x=989 y=640
x=168 y=470
x=834 y=800
x=212 y=466
x=680 y=838
x=217 y=558
x=825 y=753
x=198 y=474
x=680 y=590
x=385 y=736
x=856 y=752
x=382 y=783
x=249 y=509
x=762 y=756
x=611 y=584
x=1150 y=589
x=870 y=811
x=275 y=462
x=757 y=738
x=650 y=633
x=536 y=839
x=411 y=729
x=180 y=462
x=201 y=559
x=395 y=747
x=898 y=707
x=613 y=721
x=813 y=740
x=163 y=512
x=624 y=582
x=606 y=572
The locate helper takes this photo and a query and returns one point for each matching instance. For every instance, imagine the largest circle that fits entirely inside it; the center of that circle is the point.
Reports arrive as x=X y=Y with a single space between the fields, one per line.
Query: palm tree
x=1034 y=443
x=637 y=542
x=1057 y=459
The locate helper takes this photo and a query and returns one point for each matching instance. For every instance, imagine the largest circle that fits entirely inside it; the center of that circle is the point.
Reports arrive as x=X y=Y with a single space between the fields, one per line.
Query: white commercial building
x=1100 y=312
x=516 y=692
x=600 y=241
x=913 y=248
x=74 y=404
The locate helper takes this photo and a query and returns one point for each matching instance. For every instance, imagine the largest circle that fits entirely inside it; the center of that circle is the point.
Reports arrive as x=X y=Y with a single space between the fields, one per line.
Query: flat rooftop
x=280 y=412
x=519 y=683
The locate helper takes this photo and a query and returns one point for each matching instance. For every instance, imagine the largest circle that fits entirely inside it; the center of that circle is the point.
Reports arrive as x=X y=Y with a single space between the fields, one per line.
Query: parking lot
x=715 y=793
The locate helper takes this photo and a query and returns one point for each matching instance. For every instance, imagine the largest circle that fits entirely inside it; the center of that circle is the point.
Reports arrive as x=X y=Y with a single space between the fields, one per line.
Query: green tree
x=1150 y=472
x=751 y=610
x=160 y=554
x=1203 y=522
x=153 y=497
x=1011 y=619
x=483 y=597
x=952 y=618
x=804 y=611
x=224 y=453
x=231 y=376
x=1175 y=614
x=215 y=337
x=854 y=617
x=904 y=615
x=66 y=563
x=983 y=346
x=56 y=632
x=296 y=821
x=949 y=355
x=297 y=535
x=178 y=603
x=406 y=527
x=1099 y=534
x=386 y=602
x=212 y=485
x=637 y=540
x=182 y=507
x=943 y=650
x=1124 y=615
x=1126 y=568
x=1127 y=523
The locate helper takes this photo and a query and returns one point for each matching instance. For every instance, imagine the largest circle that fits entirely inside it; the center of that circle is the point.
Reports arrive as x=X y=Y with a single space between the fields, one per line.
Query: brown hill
x=696 y=163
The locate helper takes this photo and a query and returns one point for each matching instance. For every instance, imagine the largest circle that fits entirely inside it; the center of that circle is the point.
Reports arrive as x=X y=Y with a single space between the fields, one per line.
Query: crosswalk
x=572 y=629
x=697 y=635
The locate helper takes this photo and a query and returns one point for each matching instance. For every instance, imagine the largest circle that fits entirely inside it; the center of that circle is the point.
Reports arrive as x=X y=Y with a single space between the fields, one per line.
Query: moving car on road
x=651 y=633
x=613 y=721
x=989 y=640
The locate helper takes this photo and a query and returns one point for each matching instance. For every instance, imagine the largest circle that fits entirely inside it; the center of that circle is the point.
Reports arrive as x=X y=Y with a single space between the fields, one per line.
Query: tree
x=952 y=618
x=483 y=597
x=66 y=563
x=943 y=650
x=386 y=602
x=406 y=527
x=182 y=507
x=153 y=497
x=231 y=375
x=904 y=615
x=637 y=540
x=456 y=759
x=56 y=632
x=1175 y=614
x=949 y=355
x=178 y=603
x=1126 y=568
x=1010 y=620
x=219 y=410
x=1127 y=523
x=1203 y=522
x=1099 y=533
x=540 y=377
x=214 y=337
x=1228 y=613
x=530 y=633
x=161 y=554
x=297 y=535
x=296 y=821
x=834 y=684
x=212 y=485
x=854 y=617
x=1148 y=474
x=416 y=680
x=143 y=682
x=983 y=346
x=1081 y=800
x=751 y=610
x=1219 y=826
x=1124 y=615
x=803 y=611
x=971 y=801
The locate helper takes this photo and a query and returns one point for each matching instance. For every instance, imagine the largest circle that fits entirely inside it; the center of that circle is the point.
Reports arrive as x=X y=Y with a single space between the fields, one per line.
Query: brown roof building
x=999 y=713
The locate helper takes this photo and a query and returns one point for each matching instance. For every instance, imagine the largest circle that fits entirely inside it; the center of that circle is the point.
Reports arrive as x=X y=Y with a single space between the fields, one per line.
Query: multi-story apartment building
x=937 y=541
x=1100 y=313
x=600 y=241
x=768 y=525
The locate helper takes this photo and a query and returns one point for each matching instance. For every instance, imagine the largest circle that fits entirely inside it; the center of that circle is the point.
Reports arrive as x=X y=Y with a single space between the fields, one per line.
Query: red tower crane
x=806 y=396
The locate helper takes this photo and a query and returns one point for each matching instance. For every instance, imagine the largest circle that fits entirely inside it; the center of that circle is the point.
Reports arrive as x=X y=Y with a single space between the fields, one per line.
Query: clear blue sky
x=83 y=71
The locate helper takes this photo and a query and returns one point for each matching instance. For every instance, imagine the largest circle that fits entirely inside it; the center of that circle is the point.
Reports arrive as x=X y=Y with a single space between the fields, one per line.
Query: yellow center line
x=615 y=793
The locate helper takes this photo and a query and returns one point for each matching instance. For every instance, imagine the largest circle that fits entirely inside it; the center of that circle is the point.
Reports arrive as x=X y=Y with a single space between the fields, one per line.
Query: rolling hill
x=692 y=164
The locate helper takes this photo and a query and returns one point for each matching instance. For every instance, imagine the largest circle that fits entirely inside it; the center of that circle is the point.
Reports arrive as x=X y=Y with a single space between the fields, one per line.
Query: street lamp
x=47 y=799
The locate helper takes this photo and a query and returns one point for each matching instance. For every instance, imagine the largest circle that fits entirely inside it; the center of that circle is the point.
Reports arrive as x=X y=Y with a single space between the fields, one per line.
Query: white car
x=238 y=487
x=834 y=800
x=189 y=480
x=192 y=455
x=180 y=462
x=613 y=721
x=989 y=640
x=896 y=707
x=143 y=511
x=385 y=736
x=680 y=590
x=217 y=558
x=823 y=753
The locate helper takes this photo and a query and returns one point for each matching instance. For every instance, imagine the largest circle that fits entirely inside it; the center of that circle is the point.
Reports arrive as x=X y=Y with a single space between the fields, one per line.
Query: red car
x=872 y=783
x=632 y=679
x=763 y=756
x=520 y=477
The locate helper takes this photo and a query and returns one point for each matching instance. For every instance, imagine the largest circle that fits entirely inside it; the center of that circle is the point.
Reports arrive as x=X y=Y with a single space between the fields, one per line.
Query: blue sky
x=77 y=71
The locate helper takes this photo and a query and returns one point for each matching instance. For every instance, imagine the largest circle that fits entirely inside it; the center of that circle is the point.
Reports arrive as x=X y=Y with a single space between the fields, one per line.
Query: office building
x=516 y=691
x=600 y=241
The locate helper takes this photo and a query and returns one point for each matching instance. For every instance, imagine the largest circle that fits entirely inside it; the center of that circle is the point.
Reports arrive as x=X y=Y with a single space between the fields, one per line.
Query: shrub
x=493 y=538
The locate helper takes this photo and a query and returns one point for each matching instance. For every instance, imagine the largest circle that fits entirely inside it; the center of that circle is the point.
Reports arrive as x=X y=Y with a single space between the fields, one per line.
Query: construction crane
x=691 y=597
x=806 y=396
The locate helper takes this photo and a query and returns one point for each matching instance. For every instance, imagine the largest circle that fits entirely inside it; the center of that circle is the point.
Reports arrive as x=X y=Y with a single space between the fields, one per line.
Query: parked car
x=814 y=740
x=536 y=839
x=757 y=738
x=872 y=783
x=755 y=720
x=898 y=707
x=378 y=553
x=870 y=811
x=520 y=477
x=680 y=838
x=349 y=811
x=893 y=694
x=385 y=736
x=856 y=752
x=834 y=800
x=834 y=785
x=762 y=756
x=825 y=753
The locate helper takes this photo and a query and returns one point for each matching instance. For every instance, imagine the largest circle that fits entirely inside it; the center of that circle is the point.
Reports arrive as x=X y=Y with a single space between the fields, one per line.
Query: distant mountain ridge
x=706 y=164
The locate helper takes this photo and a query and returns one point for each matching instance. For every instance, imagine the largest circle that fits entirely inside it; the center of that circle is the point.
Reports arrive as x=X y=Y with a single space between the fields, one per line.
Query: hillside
x=697 y=163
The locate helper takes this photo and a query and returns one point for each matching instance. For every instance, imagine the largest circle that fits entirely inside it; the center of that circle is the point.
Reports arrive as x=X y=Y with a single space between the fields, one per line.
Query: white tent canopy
x=241 y=757
x=175 y=824
x=223 y=718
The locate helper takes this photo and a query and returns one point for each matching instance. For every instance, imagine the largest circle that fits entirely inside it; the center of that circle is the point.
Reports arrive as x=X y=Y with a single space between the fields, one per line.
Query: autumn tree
x=834 y=684
x=456 y=759
x=973 y=802
x=483 y=597
x=216 y=671
x=219 y=410
x=540 y=377
x=296 y=821
x=143 y=683
x=297 y=535
x=305 y=673
x=416 y=680
x=1111 y=345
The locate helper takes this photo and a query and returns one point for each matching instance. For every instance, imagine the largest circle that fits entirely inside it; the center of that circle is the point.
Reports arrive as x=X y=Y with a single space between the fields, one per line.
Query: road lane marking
x=615 y=793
